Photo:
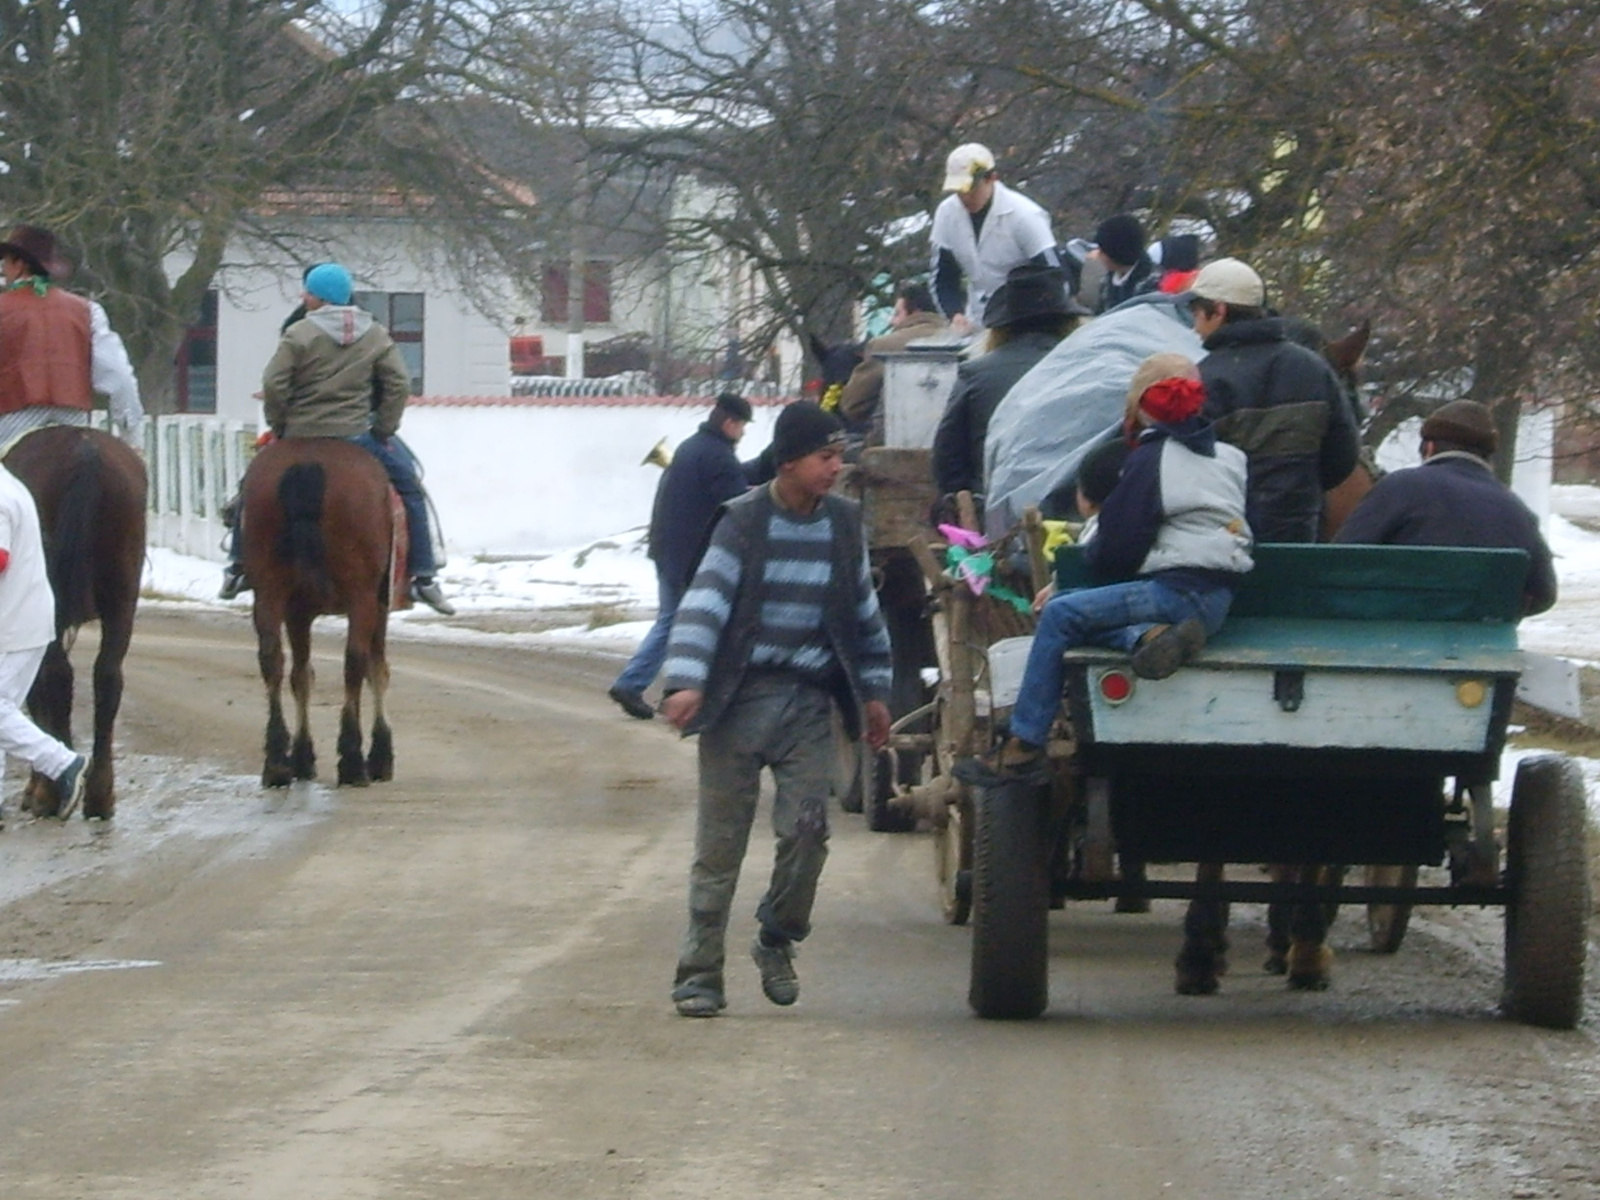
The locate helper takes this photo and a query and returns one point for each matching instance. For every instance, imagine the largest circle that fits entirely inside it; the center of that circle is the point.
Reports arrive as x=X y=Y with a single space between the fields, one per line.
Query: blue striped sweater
x=797 y=577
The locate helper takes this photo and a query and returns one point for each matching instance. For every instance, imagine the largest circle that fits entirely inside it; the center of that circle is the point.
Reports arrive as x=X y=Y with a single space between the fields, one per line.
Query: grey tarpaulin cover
x=1070 y=401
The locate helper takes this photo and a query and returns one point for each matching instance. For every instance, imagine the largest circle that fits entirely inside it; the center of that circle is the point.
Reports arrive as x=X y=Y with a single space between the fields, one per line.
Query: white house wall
x=465 y=351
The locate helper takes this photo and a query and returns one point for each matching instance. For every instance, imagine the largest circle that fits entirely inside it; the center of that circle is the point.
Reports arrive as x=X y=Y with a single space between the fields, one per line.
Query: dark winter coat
x=1454 y=499
x=1176 y=513
x=1282 y=405
x=980 y=386
x=1141 y=279
x=704 y=474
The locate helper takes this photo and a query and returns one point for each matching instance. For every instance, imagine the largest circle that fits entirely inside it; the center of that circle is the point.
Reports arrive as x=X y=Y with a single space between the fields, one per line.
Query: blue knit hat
x=331 y=283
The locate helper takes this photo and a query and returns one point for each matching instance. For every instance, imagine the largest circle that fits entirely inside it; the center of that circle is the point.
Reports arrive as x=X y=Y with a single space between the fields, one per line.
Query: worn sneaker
x=234 y=583
x=1165 y=648
x=70 y=785
x=1015 y=759
x=779 y=983
x=426 y=589
x=700 y=1004
x=633 y=703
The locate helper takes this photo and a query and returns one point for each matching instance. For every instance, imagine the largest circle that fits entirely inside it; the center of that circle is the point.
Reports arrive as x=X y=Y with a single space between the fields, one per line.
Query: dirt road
x=456 y=986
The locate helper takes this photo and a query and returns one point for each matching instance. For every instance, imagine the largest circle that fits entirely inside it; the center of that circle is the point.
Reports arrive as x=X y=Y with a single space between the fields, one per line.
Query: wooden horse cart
x=1351 y=711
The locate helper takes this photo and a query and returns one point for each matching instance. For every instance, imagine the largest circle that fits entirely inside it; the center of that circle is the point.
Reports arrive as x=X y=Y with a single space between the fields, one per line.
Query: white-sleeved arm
x=112 y=374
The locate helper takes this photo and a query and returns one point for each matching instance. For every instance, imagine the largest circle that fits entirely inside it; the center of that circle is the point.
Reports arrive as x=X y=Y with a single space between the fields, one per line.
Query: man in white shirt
x=980 y=232
x=56 y=348
x=27 y=627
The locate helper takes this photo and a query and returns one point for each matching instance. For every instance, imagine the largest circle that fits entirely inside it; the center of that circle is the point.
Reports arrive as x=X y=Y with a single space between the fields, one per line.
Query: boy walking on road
x=780 y=623
x=27 y=627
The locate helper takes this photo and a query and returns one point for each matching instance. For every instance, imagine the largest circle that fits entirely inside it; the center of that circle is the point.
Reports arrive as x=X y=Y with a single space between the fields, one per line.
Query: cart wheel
x=1547 y=876
x=952 y=848
x=1011 y=904
x=1386 y=923
x=848 y=782
x=882 y=816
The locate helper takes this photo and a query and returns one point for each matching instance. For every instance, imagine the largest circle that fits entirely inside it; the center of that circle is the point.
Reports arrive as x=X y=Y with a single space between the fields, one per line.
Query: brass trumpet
x=659 y=455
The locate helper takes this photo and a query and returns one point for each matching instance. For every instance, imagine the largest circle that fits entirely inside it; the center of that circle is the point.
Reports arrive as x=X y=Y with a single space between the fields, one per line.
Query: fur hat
x=37 y=248
x=1464 y=422
x=1120 y=238
x=1031 y=290
x=803 y=428
x=330 y=283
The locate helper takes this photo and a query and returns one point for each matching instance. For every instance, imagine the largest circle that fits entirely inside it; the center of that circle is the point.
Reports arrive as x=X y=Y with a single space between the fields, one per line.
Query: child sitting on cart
x=1172 y=529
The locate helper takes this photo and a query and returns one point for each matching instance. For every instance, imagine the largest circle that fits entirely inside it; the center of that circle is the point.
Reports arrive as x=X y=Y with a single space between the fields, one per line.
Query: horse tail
x=300 y=494
x=70 y=563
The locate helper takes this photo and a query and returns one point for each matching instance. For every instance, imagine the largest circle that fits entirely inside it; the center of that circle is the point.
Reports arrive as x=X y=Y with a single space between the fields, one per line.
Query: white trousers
x=19 y=736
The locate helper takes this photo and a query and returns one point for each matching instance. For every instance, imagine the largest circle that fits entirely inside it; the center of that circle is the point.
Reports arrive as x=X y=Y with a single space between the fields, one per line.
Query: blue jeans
x=1116 y=616
x=646 y=662
x=402 y=469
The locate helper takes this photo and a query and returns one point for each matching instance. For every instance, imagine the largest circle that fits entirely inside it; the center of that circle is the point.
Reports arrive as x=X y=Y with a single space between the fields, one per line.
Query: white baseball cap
x=1229 y=281
x=965 y=164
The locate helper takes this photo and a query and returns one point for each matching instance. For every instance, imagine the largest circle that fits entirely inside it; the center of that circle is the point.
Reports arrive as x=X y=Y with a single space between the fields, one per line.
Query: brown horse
x=319 y=536
x=1296 y=933
x=90 y=491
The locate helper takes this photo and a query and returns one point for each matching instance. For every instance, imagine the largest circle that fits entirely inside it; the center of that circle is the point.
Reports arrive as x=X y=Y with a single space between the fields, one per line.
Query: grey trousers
x=774 y=721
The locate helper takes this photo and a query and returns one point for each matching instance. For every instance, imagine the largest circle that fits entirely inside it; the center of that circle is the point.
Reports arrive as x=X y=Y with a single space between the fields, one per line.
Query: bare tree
x=145 y=129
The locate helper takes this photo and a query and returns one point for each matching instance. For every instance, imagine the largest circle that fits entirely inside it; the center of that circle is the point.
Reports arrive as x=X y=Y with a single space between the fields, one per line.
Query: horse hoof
x=1196 y=985
x=1276 y=964
x=1131 y=904
x=354 y=776
x=276 y=775
x=1310 y=967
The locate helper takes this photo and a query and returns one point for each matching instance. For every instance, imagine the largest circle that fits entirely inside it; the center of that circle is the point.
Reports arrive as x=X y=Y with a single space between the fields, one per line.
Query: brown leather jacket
x=858 y=402
x=45 y=349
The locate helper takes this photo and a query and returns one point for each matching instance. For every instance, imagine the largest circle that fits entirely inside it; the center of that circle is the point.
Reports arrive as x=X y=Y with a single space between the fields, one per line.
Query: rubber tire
x=1547 y=873
x=1387 y=923
x=1010 y=904
x=883 y=817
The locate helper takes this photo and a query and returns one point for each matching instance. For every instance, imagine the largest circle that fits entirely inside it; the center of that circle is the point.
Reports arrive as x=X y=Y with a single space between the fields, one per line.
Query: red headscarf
x=1169 y=401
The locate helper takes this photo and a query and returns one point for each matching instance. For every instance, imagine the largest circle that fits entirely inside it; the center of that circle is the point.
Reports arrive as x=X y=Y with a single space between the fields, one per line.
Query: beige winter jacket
x=336 y=373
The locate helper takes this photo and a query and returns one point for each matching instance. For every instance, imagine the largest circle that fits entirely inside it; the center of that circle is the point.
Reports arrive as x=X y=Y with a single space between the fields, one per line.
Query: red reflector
x=1115 y=686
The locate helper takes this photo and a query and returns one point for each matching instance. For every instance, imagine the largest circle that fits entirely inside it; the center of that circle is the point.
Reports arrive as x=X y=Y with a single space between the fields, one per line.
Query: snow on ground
x=601 y=596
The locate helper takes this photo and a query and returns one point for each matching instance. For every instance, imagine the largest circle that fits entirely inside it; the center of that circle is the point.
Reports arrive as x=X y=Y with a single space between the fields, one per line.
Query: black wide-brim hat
x=37 y=248
x=1031 y=291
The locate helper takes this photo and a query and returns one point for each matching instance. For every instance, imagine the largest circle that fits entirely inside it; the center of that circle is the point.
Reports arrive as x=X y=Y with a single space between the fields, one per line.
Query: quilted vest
x=44 y=350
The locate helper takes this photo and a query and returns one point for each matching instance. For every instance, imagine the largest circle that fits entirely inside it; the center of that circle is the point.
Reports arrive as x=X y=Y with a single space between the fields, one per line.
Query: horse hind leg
x=1279 y=913
x=1203 y=960
x=99 y=800
x=380 y=759
x=303 y=758
x=357 y=658
x=276 y=770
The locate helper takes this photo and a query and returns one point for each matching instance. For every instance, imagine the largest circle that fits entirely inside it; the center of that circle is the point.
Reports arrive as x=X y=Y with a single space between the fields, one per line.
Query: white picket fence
x=195 y=464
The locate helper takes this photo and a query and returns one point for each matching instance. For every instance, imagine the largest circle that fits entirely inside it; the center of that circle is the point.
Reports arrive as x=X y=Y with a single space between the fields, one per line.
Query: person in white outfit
x=27 y=627
x=980 y=232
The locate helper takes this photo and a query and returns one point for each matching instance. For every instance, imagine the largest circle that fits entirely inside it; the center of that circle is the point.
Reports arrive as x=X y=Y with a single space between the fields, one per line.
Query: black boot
x=234 y=582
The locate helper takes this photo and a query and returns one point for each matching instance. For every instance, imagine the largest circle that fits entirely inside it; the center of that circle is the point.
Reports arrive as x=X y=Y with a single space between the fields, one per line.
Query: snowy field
x=600 y=596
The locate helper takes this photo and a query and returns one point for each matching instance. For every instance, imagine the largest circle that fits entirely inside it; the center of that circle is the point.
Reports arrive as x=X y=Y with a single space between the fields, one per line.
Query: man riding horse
x=56 y=349
x=338 y=373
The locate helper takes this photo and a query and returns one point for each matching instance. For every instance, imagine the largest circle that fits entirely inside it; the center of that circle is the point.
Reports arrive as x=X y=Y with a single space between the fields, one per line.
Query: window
x=197 y=361
x=596 y=294
x=401 y=313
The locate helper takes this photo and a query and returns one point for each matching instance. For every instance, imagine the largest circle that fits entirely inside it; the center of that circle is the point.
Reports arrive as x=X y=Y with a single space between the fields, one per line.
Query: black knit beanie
x=731 y=404
x=803 y=428
x=1121 y=238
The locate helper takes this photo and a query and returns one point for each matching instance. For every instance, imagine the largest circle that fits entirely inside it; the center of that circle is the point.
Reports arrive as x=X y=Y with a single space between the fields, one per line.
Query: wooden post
x=1033 y=530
